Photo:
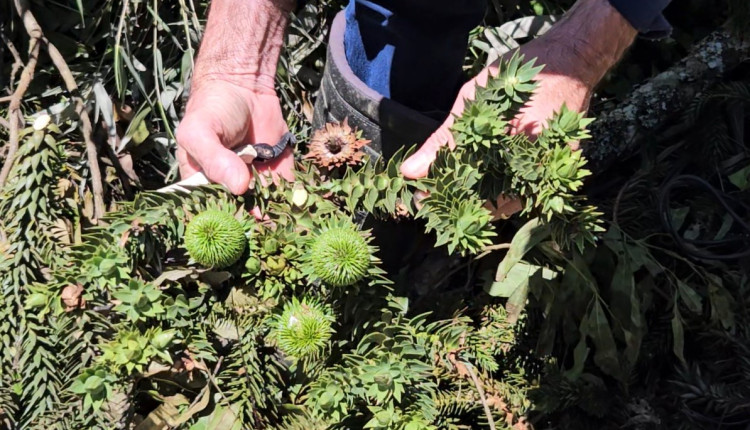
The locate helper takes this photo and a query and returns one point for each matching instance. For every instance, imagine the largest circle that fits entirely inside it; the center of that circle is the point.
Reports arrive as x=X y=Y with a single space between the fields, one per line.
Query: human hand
x=553 y=91
x=576 y=54
x=233 y=101
x=222 y=115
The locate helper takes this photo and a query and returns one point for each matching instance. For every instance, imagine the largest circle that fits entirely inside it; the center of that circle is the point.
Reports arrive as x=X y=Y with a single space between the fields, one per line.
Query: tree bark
x=619 y=132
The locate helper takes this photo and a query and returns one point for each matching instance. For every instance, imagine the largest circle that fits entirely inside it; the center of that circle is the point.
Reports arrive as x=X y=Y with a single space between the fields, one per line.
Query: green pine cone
x=340 y=256
x=303 y=329
x=215 y=239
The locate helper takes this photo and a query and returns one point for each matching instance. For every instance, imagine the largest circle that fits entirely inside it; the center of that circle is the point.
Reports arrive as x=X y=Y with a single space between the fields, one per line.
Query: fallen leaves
x=72 y=297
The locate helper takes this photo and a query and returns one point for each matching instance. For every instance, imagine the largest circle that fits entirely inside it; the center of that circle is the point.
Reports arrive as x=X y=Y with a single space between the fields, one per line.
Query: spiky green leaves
x=303 y=328
x=132 y=350
x=215 y=239
x=453 y=209
x=138 y=300
x=377 y=187
x=545 y=174
x=339 y=255
x=480 y=125
x=95 y=385
x=513 y=84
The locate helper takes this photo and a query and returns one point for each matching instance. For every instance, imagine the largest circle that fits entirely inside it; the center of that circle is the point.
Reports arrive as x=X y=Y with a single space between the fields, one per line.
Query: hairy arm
x=588 y=41
x=242 y=42
x=232 y=100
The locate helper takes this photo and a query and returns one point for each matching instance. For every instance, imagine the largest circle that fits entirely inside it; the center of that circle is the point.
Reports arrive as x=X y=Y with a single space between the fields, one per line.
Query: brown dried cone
x=336 y=145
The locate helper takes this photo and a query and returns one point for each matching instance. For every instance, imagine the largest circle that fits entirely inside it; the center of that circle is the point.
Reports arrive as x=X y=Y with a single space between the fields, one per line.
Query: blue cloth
x=412 y=51
x=368 y=51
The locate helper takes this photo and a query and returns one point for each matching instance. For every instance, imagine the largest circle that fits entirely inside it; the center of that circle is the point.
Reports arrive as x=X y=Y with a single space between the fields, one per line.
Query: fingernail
x=413 y=170
x=407 y=166
x=233 y=186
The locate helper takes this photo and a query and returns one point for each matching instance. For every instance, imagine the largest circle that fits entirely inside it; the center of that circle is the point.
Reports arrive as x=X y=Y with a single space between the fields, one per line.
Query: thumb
x=219 y=164
x=418 y=165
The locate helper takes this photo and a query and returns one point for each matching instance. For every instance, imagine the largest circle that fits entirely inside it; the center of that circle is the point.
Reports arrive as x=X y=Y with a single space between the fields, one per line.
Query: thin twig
x=35 y=31
x=482 y=396
x=212 y=378
x=5 y=123
x=491 y=248
x=184 y=11
x=17 y=61
x=485 y=251
x=196 y=24
x=14 y=110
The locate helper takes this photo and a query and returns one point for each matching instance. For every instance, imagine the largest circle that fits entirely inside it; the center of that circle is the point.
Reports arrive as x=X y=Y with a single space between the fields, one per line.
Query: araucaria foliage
x=180 y=310
x=290 y=319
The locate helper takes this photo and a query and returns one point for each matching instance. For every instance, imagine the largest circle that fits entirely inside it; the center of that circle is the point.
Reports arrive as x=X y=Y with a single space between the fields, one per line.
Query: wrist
x=588 y=41
x=242 y=43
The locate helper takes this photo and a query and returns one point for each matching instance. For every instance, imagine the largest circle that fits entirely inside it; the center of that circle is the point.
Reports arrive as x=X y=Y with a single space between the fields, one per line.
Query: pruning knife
x=257 y=152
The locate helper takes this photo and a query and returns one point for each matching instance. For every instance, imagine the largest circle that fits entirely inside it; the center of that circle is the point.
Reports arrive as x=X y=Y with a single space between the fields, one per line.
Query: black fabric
x=412 y=50
x=386 y=122
x=645 y=16
x=390 y=126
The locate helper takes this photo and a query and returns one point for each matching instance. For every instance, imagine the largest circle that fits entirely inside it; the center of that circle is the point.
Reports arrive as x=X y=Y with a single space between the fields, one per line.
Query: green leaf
x=221 y=418
x=625 y=304
x=35 y=300
x=79 y=4
x=517 y=300
x=580 y=354
x=517 y=278
x=161 y=340
x=137 y=76
x=690 y=297
x=119 y=68
x=605 y=354
x=678 y=335
x=173 y=275
x=741 y=178
x=722 y=302
x=525 y=239
x=93 y=383
x=137 y=131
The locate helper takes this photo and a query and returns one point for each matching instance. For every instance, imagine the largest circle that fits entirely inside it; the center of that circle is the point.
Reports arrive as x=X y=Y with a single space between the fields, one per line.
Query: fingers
x=201 y=149
x=188 y=165
x=282 y=167
x=418 y=165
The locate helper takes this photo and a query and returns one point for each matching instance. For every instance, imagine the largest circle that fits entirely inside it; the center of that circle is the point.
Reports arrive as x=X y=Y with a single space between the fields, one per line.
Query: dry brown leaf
x=72 y=297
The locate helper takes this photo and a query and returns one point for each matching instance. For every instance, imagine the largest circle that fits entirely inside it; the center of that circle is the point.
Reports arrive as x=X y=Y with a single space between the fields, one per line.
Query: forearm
x=588 y=41
x=595 y=36
x=242 y=43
